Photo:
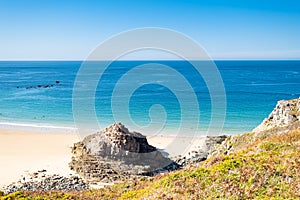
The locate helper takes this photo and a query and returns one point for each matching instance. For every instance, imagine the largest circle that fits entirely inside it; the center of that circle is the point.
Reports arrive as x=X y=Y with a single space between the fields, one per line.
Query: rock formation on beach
x=202 y=153
x=116 y=154
x=284 y=114
x=40 y=181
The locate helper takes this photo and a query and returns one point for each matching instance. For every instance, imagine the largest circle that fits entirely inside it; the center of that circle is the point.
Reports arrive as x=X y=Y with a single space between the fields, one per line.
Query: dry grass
x=267 y=168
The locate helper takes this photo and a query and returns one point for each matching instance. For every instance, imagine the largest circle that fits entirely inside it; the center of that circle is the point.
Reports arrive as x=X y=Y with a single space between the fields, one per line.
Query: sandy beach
x=23 y=152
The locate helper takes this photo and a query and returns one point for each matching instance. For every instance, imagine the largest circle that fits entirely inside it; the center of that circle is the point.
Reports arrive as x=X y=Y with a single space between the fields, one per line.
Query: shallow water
x=252 y=90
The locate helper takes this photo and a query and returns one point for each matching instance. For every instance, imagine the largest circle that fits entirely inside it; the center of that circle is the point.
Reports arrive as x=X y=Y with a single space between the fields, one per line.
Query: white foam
x=37 y=127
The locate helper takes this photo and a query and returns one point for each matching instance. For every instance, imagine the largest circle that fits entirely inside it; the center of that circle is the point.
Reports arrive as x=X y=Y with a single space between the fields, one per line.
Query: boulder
x=116 y=154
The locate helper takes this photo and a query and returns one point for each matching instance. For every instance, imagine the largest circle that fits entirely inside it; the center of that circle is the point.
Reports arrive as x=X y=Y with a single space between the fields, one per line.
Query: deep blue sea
x=40 y=93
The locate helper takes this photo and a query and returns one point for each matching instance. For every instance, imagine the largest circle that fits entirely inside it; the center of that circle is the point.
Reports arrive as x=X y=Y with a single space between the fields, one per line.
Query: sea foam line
x=35 y=127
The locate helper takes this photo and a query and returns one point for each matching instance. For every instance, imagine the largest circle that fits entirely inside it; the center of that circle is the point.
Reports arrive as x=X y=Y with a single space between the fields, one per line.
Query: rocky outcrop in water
x=116 y=154
x=40 y=181
x=284 y=114
x=40 y=86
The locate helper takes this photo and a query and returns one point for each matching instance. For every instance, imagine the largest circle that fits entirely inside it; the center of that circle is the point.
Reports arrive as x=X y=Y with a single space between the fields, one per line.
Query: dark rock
x=39 y=86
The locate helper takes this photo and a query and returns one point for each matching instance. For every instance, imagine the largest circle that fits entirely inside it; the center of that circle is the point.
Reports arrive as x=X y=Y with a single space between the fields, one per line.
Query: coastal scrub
x=267 y=168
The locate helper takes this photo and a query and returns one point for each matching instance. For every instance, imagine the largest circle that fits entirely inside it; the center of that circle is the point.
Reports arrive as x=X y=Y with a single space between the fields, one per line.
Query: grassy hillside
x=267 y=167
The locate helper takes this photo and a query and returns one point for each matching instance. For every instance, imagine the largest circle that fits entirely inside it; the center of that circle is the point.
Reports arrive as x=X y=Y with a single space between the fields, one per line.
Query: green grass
x=266 y=168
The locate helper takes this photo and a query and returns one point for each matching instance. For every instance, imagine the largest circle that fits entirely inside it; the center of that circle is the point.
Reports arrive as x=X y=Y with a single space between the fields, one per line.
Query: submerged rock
x=116 y=154
x=40 y=86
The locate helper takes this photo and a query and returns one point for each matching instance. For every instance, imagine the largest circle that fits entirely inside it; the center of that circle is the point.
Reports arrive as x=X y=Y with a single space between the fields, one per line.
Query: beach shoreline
x=24 y=151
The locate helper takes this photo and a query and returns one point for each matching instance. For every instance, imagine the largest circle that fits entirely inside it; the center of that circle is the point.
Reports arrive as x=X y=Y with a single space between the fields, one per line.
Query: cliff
x=285 y=113
x=284 y=118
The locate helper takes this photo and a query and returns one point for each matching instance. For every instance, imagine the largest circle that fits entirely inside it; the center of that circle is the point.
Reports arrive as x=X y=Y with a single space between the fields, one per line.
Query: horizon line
x=82 y=60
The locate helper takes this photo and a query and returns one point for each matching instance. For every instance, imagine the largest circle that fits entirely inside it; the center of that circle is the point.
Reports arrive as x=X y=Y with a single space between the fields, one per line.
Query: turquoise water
x=30 y=94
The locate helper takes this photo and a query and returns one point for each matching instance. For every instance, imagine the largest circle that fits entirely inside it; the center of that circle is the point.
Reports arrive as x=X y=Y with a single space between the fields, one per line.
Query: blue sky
x=227 y=29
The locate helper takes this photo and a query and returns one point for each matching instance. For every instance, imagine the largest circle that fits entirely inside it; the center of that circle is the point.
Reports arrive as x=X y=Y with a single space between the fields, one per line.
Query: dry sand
x=23 y=151
x=27 y=151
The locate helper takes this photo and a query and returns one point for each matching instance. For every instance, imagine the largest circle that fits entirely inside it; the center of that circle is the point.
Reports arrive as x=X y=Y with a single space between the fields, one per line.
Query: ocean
x=40 y=94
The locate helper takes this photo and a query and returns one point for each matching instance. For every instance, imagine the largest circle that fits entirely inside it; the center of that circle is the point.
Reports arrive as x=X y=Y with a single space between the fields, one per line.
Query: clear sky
x=227 y=29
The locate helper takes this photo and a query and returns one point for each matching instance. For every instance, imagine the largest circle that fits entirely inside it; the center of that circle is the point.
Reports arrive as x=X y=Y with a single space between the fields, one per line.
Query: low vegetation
x=266 y=168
